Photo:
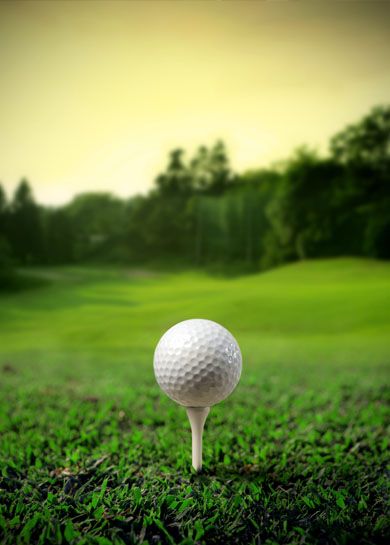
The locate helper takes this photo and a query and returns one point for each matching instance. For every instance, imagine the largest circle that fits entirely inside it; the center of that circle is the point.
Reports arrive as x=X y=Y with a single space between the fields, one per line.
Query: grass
x=92 y=452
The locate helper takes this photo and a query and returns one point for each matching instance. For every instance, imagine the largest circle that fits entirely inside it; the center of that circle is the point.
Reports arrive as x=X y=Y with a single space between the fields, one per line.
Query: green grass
x=92 y=452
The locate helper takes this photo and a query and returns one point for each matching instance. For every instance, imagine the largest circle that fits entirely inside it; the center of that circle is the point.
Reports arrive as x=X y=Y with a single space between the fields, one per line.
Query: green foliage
x=366 y=142
x=157 y=227
x=201 y=213
x=93 y=452
x=24 y=226
x=364 y=149
x=6 y=266
x=207 y=172
x=306 y=210
x=96 y=223
x=176 y=181
x=60 y=238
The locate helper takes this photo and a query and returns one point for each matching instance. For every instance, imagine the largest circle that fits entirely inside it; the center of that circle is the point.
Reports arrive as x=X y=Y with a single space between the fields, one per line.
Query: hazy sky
x=94 y=94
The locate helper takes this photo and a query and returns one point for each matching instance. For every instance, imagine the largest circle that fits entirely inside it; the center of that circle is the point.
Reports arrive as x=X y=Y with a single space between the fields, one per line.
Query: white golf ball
x=197 y=363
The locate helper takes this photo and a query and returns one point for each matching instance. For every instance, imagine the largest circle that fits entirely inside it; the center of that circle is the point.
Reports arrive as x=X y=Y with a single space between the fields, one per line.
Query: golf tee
x=197 y=417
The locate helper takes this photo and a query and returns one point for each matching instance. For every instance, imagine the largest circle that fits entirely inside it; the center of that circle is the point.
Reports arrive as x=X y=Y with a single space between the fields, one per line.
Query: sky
x=95 y=94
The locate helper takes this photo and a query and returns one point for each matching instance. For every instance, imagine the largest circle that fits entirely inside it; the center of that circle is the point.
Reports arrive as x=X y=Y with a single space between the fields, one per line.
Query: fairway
x=93 y=452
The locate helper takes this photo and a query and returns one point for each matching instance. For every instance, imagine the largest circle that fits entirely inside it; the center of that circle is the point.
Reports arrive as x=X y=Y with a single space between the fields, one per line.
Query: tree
x=97 y=221
x=366 y=142
x=200 y=170
x=59 y=237
x=256 y=188
x=210 y=169
x=221 y=175
x=364 y=150
x=303 y=212
x=7 y=273
x=176 y=179
x=25 y=229
x=210 y=177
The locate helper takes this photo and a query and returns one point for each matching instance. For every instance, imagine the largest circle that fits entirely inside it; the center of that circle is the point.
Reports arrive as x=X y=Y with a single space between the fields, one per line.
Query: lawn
x=91 y=451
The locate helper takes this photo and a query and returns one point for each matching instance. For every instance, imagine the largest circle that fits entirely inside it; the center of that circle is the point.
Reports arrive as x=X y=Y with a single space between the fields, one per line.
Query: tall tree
x=25 y=233
x=210 y=169
x=366 y=142
x=364 y=150
x=302 y=211
x=176 y=179
x=7 y=273
x=257 y=188
x=221 y=174
x=200 y=169
x=211 y=177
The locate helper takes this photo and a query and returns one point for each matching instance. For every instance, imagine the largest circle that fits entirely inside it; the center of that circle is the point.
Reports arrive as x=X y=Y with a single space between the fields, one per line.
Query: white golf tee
x=197 y=417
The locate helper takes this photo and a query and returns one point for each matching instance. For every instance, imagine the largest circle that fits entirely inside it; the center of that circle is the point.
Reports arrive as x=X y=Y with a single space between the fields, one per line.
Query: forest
x=202 y=213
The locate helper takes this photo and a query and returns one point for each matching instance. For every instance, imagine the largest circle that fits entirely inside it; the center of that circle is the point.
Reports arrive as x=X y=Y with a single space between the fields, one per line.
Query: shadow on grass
x=244 y=472
x=216 y=269
x=20 y=282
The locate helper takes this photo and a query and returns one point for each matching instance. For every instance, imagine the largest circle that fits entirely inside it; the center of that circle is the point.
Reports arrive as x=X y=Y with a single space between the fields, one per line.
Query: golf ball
x=197 y=363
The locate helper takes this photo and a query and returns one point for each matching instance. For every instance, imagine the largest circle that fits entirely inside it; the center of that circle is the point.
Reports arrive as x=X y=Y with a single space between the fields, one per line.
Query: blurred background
x=152 y=145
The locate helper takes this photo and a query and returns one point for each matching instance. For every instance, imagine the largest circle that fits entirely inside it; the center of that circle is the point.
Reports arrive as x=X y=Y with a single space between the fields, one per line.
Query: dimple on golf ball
x=197 y=363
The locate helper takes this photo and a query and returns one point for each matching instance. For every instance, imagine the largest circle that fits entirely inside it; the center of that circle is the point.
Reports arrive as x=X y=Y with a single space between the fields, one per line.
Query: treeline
x=201 y=212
